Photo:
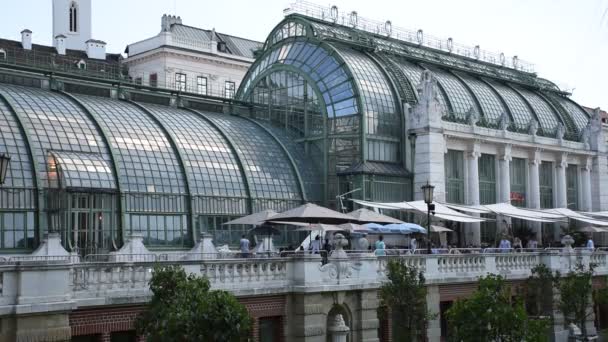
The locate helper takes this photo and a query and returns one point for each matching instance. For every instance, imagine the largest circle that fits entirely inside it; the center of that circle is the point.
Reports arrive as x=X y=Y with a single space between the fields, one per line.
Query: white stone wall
x=167 y=62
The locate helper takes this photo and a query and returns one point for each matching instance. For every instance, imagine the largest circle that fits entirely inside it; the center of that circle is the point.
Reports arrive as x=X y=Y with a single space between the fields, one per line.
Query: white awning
x=473 y=209
x=577 y=216
x=441 y=211
x=524 y=214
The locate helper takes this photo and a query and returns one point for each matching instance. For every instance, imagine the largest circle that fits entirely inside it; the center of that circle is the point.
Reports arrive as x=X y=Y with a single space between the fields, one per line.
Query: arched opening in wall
x=2 y=55
x=333 y=320
x=73 y=17
x=81 y=64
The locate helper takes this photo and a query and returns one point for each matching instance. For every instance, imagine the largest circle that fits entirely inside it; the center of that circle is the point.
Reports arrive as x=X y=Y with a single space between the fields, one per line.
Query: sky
x=566 y=40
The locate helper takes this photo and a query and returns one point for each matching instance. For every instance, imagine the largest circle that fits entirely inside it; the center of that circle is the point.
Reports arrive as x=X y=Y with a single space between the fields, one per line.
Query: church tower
x=72 y=18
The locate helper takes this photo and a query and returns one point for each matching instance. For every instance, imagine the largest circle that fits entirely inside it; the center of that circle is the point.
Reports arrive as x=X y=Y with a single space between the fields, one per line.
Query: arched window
x=2 y=54
x=73 y=17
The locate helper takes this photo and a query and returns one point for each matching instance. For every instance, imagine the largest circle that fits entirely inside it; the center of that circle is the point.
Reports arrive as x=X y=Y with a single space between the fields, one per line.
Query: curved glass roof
x=461 y=99
x=520 y=111
x=12 y=142
x=320 y=64
x=211 y=164
x=147 y=162
x=464 y=82
x=55 y=124
x=377 y=98
x=546 y=115
x=491 y=105
x=83 y=170
x=269 y=171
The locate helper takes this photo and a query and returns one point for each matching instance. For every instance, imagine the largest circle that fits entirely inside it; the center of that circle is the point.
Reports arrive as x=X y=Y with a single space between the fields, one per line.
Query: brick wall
x=105 y=320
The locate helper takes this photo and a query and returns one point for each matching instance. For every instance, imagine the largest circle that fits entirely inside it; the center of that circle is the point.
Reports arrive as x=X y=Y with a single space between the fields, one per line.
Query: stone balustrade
x=60 y=282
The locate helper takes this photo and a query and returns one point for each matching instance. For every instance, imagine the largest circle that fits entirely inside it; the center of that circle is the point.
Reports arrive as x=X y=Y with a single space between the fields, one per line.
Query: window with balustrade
x=454 y=176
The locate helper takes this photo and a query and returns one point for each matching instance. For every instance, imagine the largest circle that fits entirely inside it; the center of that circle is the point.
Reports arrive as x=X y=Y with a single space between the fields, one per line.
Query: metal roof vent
x=388 y=28
x=334 y=13
x=353 y=19
x=221 y=47
x=450 y=44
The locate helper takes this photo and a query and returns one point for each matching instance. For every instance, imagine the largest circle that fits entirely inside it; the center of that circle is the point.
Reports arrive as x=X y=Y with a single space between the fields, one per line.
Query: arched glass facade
x=321 y=112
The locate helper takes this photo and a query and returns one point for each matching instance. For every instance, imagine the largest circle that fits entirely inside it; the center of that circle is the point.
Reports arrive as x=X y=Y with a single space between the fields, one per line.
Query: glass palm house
x=321 y=112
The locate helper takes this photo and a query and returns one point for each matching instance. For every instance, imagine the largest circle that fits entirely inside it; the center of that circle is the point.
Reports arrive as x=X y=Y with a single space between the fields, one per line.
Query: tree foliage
x=491 y=315
x=184 y=309
x=577 y=296
x=405 y=297
x=538 y=291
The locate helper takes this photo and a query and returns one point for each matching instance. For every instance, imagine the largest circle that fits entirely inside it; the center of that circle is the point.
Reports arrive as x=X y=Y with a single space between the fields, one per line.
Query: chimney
x=26 y=39
x=60 y=44
x=96 y=49
x=168 y=20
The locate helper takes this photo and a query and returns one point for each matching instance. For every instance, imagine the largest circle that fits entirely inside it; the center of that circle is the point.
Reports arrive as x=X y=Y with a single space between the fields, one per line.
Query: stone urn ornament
x=567 y=241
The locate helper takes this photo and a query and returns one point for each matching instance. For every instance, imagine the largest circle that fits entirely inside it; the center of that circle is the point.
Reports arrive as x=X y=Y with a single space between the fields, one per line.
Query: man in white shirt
x=413 y=244
x=244 y=246
x=505 y=244
x=590 y=244
x=316 y=245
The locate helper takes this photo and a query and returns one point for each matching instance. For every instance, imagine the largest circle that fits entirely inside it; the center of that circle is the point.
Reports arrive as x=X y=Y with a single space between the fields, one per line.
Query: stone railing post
x=305 y=270
x=490 y=263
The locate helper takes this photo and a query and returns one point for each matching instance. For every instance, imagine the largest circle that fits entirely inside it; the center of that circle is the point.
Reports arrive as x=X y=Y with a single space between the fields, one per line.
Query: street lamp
x=427 y=191
x=4 y=161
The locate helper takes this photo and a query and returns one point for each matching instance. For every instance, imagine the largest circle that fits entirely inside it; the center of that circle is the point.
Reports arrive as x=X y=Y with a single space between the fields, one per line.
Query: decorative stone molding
x=532 y=127
x=51 y=246
x=314 y=331
x=426 y=115
x=314 y=309
x=504 y=121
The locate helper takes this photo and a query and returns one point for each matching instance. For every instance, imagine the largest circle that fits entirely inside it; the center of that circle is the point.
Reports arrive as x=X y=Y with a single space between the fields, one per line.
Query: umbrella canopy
x=354 y=228
x=370 y=216
x=255 y=219
x=591 y=229
x=313 y=213
x=439 y=229
x=265 y=230
x=396 y=228
x=320 y=226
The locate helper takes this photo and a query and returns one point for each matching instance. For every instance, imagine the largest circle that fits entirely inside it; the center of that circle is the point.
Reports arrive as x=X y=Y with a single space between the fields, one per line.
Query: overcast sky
x=566 y=40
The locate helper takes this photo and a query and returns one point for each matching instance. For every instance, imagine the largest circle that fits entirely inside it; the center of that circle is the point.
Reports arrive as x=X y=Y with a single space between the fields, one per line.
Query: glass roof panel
x=459 y=96
x=489 y=101
x=55 y=123
x=83 y=170
x=148 y=163
x=546 y=115
x=519 y=109
x=12 y=142
x=266 y=166
x=578 y=115
x=413 y=72
x=311 y=176
x=376 y=94
x=209 y=160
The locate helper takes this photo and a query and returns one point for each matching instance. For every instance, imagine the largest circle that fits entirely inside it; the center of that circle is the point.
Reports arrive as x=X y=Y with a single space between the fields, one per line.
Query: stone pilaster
x=504 y=164
x=307 y=318
x=561 y=191
x=586 y=203
x=433 y=302
x=368 y=313
x=533 y=200
x=473 y=235
x=599 y=183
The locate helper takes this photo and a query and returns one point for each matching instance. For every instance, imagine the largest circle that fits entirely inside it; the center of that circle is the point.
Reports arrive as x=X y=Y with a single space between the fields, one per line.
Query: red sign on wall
x=517 y=196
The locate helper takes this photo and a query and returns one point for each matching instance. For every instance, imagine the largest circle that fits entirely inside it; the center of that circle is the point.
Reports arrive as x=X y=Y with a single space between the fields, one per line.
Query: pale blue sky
x=567 y=40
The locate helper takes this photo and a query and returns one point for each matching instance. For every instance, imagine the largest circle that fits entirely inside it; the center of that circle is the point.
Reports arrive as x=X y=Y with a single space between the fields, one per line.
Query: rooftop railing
x=333 y=15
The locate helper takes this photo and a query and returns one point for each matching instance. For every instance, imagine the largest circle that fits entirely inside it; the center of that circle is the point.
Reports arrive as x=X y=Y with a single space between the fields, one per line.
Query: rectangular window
x=545 y=174
x=201 y=85
x=518 y=182
x=17 y=229
x=180 y=82
x=454 y=176
x=154 y=80
x=487 y=179
x=161 y=230
x=572 y=186
x=230 y=89
x=138 y=80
